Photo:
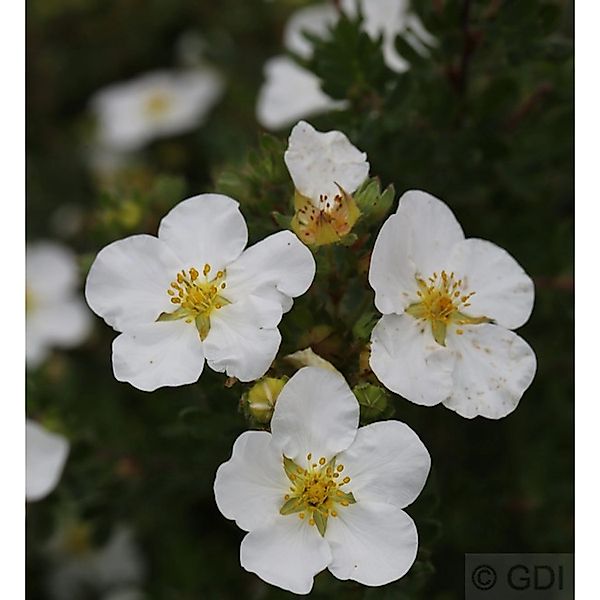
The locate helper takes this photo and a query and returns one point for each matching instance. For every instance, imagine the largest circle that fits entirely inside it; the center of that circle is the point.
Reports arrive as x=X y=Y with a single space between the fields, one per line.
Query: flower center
x=315 y=491
x=156 y=105
x=442 y=300
x=196 y=297
x=326 y=221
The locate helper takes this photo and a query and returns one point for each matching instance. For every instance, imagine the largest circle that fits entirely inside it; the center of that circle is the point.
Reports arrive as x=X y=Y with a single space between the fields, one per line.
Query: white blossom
x=320 y=493
x=291 y=92
x=194 y=293
x=326 y=170
x=56 y=316
x=449 y=305
x=112 y=571
x=157 y=104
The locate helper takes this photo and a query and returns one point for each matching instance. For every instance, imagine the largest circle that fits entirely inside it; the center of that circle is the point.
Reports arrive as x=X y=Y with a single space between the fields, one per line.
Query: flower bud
x=260 y=400
x=373 y=401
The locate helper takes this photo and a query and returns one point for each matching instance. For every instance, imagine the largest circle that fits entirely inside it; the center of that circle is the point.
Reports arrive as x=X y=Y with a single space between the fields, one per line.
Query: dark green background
x=484 y=122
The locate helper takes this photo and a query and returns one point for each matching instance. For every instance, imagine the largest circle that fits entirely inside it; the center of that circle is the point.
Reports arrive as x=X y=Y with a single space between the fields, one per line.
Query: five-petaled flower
x=319 y=493
x=326 y=169
x=449 y=306
x=56 y=313
x=193 y=293
x=158 y=104
x=46 y=457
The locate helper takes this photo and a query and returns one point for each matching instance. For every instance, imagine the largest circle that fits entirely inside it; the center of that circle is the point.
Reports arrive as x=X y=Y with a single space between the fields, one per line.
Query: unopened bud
x=373 y=401
x=261 y=398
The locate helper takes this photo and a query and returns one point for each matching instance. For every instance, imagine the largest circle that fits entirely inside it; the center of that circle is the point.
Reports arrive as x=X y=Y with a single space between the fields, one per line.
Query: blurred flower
x=112 y=571
x=449 y=305
x=46 y=457
x=291 y=92
x=390 y=18
x=318 y=493
x=326 y=169
x=261 y=398
x=195 y=293
x=56 y=317
x=154 y=105
x=308 y=358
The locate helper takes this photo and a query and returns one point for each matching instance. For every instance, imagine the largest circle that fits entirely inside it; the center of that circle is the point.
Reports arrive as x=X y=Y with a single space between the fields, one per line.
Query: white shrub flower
x=46 y=455
x=320 y=493
x=326 y=170
x=114 y=570
x=194 y=293
x=55 y=315
x=449 y=305
x=156 y=104
x=291 y=92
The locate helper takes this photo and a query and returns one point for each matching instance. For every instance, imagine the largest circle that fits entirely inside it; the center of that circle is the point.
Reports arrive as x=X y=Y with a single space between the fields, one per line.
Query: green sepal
x=345 y=496
x=180 y=313
x=203 y=326
x=462 y=319
x=292 y=470
x=293 y=505
x=417 y=310
x=438 y=328
x=320 y=521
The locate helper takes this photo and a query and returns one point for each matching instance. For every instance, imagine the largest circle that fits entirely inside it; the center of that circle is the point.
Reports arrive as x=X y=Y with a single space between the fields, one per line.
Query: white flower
x=154 y=105
x=289 y=93
x=195 y=293
x=56 y=317
x=46 y=457
x=319 y=493
x=449 y=305
x=114 y=570
x=390 y=18
x=326 y=169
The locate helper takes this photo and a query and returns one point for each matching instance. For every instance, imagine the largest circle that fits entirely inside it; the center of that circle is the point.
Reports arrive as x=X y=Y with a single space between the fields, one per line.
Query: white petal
x=287 y=553
x=371 y=543
x=205 y=229
x=168 y=353
x=128 y=281
x=51 y=271
x=243 y=339
x=392 y=273
x=250 y=487
x=289 y=93
x=315 y=20
x=494 y=367
x=317 y=161
x=280 y=262
x=387 y=462
x=317 y=413
x=63 y=324
x=36 y=348
x=434 y=231
x=46 y=456
x=503 y=291
x=409 y=362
